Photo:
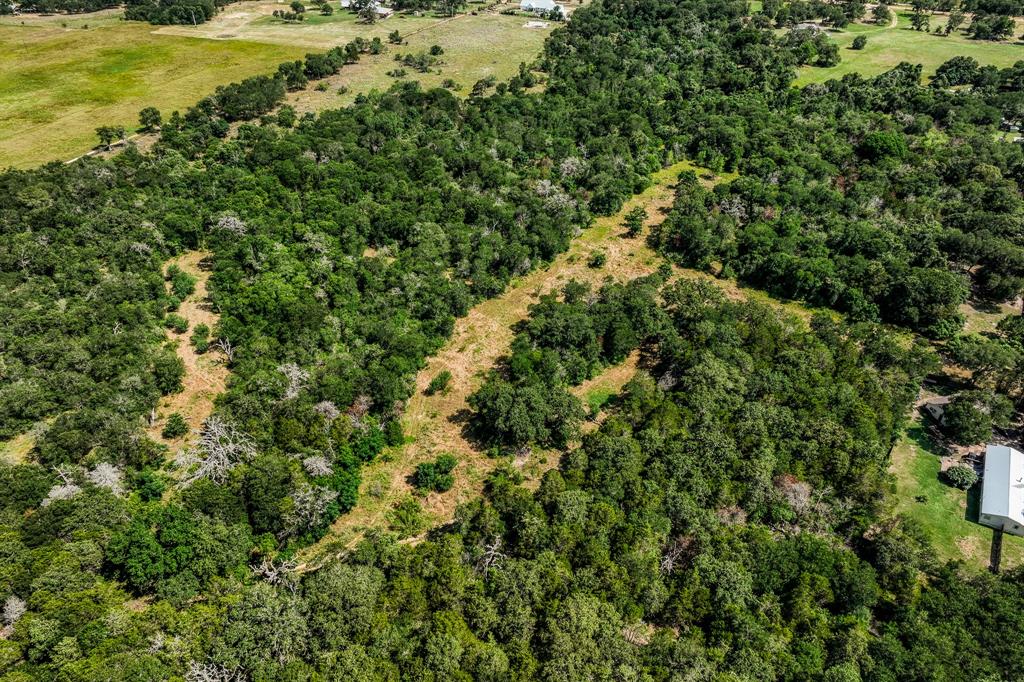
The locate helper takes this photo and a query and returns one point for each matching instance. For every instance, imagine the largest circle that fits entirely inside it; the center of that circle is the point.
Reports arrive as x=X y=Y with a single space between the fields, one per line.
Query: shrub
x=176 y=323
x=439 y=383
x=859 y=42
x=435 y=476
x=175 y=426
x=201 y=338
x=597 y=260
x=182 y=283
x=961 y=476
x=634 y=221
x=406 y=518
x=149 y=484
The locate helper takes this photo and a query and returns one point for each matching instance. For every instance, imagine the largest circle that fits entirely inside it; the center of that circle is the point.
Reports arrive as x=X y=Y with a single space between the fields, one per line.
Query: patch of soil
x=205 y=374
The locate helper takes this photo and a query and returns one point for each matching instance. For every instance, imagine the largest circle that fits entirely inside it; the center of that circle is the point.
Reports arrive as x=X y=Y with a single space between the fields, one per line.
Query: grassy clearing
x=944 y=511
x=17 y=449
x=58 y=84
x=983 y=319
x=475 y=47
x=63 y=76
x=887 y=46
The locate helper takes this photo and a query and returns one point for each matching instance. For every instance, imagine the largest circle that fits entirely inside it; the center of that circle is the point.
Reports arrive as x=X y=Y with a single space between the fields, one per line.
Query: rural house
x=540 y=6
x=1002 y=492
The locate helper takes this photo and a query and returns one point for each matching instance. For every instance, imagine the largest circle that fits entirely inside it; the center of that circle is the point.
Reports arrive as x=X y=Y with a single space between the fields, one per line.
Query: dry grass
x=17 y=449
x=983 y=319
x=206 y=375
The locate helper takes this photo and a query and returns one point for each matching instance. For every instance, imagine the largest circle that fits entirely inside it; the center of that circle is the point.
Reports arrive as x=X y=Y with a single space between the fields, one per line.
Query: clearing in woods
x=62 y=76
x=944 y=513
x=434 y=424
x=206 y=374
x=887 y=46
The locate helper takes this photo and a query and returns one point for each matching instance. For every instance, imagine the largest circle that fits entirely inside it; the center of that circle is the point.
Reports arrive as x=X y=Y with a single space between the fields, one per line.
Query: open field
x=942 y=510
x=58 y=84
x=887 y=46
x=62 y=76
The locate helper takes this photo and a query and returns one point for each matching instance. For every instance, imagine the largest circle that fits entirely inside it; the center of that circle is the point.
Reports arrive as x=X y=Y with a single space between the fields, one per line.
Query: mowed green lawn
x=941 y=510
x=58 y=84
x=888 y=46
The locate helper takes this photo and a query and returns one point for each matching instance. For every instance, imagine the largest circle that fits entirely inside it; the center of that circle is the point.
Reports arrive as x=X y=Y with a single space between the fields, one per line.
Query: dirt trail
x=434 y=424
x=205 y=375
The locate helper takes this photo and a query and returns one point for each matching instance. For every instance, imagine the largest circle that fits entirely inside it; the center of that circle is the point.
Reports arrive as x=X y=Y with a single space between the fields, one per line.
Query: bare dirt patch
x=205 y=374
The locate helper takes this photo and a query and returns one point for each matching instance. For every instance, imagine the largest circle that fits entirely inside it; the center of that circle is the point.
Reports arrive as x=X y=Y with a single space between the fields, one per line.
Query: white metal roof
x=1002 y=492
x=546 y=5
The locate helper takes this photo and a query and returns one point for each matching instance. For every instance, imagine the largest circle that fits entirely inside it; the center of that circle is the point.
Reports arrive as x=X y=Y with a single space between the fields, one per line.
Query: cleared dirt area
x=206 y=374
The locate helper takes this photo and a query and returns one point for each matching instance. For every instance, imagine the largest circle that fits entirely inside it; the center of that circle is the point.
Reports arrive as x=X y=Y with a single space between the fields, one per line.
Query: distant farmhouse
x=1002 y=493
x=541 y=6
x=382 y=12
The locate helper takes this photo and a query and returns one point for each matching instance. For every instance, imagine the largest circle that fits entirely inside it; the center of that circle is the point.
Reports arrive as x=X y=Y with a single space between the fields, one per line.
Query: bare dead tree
x=278 y=573
x=108 y=476
x=317 y=465
x=327 y=410
x=14 y=608
x=221 y=446
x=492 y=556
x=309 y=506
x=65 y=490
x=233 y=224
x=296 y=377
x=213 y=672
x=359 y=409
x=223 y=344
x=675 y=554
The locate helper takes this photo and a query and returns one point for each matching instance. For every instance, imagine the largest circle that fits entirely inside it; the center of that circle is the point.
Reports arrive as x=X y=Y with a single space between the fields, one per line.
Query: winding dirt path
x=206 y=374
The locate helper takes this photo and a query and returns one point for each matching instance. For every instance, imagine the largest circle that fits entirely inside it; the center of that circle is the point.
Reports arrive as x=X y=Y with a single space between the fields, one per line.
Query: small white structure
x=540 y=6
x=1002 y=492
x=383 y=12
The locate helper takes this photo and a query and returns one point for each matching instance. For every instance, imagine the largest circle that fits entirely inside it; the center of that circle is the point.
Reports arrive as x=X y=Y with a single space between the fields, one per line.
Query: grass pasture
x=941 y=510
x=57 y=83
x=62 y=76
x=887 y=46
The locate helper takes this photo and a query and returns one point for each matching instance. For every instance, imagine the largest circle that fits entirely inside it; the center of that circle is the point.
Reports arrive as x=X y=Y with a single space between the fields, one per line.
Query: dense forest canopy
x=729 y=520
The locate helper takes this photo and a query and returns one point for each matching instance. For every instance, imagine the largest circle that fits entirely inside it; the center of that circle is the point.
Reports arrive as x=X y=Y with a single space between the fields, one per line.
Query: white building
x=540 y=6
x=1002 y=492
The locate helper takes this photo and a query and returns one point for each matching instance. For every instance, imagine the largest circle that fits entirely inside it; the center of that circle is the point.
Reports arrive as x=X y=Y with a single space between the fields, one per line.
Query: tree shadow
x=973 y=511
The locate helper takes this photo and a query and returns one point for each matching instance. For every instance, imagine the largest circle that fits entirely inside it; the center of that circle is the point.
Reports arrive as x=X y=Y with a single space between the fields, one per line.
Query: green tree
x=634 y=221
x=150 y=119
